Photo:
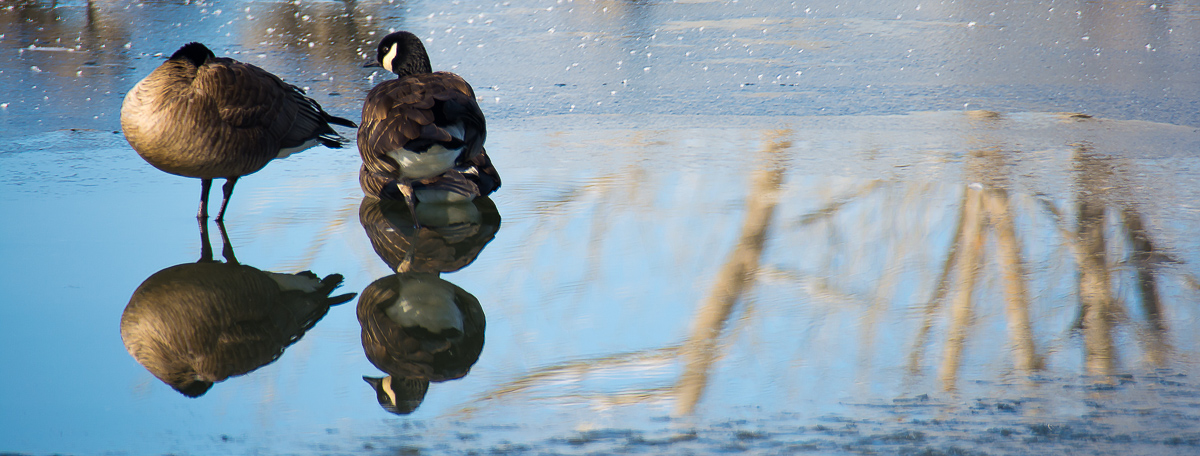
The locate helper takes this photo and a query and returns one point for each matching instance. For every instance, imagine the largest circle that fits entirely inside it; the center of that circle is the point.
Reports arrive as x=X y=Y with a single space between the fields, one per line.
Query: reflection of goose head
x=399 y=396
x=419 y=328
x=195 y=324
x=450 y=237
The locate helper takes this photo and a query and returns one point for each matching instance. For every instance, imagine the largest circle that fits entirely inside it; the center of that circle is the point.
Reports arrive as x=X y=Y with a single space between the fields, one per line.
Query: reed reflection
x=1143 y=257
x=985 y=205
x=993 y=264
x=417 y=327
x=196 y=324
x=736 y=277
x=1098 y=268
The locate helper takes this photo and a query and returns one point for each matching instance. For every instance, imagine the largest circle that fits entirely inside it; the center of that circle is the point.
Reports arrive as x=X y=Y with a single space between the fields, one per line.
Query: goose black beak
x=371 y=63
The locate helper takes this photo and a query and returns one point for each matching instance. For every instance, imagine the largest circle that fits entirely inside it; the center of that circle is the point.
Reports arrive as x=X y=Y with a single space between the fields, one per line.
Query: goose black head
x=399 y=396
x=194 y=52
x=404 y=54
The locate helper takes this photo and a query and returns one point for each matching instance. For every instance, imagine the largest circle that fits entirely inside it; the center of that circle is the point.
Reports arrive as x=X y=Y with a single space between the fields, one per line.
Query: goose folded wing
x=412 y=113
x=395 y=113
x=245 y=96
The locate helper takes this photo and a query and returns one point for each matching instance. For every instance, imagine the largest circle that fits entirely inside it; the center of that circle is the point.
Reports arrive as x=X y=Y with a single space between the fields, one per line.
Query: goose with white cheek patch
x=423 y=130
x=202 y=116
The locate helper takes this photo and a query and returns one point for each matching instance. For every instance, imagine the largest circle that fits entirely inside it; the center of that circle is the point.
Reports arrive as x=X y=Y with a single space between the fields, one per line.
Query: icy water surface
x=746 y=226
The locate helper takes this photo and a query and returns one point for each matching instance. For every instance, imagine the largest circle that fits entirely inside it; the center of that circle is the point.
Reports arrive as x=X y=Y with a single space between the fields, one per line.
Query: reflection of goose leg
x=410 y=198
x=407 y=263
x=227 y=189
x=227 y=247
x=205 y=185
x=206 y=255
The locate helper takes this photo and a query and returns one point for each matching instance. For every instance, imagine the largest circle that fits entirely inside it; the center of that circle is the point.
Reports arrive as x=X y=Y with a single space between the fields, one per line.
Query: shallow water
x=751 y=226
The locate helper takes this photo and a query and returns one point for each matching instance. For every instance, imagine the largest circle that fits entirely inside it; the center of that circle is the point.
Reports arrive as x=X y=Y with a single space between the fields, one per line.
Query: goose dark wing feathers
x=413 y=113
x=244 y=96
x=248 y=97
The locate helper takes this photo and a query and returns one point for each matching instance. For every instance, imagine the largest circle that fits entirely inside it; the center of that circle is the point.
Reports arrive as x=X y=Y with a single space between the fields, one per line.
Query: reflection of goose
x=195 y=324
x=418 y=329
x=450 y=237
x=419 y=126
x=198 y=115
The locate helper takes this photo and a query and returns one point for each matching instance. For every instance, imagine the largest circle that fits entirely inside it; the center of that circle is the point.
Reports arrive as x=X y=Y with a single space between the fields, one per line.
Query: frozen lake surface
x=726 y=226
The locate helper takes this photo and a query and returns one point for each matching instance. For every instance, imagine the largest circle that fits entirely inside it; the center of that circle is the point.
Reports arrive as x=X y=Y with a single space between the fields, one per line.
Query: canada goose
x=419 y=126
x=418 y=329
x=208 y=117
x=451 y=236
x=195 y=324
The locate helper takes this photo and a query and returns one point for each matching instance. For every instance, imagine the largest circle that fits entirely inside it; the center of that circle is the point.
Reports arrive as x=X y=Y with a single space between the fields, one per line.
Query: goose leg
x=228 y=190
x=205 y=184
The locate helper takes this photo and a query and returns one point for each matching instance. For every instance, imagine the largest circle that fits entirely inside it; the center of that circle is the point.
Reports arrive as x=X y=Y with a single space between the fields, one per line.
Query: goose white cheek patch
x=387 y=59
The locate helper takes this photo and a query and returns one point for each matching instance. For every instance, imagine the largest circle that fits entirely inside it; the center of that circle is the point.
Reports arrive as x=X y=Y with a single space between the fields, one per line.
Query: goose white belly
x=420 y=165
x=284 y=153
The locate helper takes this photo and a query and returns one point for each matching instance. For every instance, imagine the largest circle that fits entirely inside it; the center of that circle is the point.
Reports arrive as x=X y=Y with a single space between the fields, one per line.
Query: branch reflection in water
x=196 y=324
x=869 y=264
x=417 y=327
x=737 y=275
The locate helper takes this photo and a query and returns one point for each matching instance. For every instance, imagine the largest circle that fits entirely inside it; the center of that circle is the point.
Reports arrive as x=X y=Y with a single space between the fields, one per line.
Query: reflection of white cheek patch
x=387 y=388
x=387 y=59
